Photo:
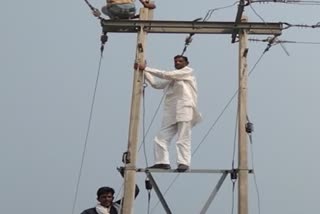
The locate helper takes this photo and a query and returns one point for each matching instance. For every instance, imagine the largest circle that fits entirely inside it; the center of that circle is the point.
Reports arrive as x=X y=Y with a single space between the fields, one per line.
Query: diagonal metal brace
x=214 y=193
x=158 y=192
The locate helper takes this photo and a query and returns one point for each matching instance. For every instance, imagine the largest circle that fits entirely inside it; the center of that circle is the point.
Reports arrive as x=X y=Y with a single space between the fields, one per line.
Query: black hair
x=104 y=190
x=183 y=57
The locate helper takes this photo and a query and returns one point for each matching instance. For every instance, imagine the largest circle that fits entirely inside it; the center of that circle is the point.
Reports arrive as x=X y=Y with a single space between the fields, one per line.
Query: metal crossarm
x=157 y=26
x=189 y=171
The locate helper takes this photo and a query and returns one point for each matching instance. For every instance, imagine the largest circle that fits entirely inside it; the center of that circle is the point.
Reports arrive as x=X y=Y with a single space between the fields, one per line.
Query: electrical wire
x=284 y=41
x=293 y=2
x=232 y=197
x=144 y=122
x=210 y=12
x=153 y=118
x=262 y=19
x=254 y=174
x=87 y=136
x=235 y=142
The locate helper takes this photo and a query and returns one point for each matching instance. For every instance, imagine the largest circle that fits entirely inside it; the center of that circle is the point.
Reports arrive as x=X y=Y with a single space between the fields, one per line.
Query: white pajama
x=180 y=112
x=183 y=143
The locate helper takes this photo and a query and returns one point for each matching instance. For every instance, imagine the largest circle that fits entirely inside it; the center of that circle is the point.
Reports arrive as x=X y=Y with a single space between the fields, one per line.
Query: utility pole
x=130 y=158
x=143 y=26
x=242 y=114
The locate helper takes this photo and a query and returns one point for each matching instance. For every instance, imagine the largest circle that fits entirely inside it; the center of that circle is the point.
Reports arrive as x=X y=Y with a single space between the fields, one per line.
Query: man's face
x=180 y=63
x=106 y=199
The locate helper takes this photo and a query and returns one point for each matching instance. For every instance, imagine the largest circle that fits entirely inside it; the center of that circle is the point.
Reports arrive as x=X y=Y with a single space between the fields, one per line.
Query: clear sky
x=49 y=54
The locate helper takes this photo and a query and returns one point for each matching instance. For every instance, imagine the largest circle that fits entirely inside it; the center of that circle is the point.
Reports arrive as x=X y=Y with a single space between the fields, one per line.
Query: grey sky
x=49 y=56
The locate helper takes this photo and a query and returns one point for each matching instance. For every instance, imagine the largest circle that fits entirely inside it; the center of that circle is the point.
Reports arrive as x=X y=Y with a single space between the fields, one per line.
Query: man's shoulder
x=90 y=211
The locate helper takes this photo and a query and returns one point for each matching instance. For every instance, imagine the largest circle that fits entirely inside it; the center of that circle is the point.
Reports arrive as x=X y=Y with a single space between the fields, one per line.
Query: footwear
x=182 y=168
x=160 y=166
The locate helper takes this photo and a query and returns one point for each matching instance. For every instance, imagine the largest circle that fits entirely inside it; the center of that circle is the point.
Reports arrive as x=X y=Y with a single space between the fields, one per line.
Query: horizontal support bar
x=188 y=171
x=157 y=26
x=218 y=171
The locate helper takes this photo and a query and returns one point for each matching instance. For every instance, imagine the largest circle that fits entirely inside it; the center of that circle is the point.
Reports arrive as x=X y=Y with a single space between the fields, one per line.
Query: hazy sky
x=49 y=54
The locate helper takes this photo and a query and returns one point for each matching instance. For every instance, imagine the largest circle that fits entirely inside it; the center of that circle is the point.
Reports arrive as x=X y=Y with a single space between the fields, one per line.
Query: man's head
x=105 y=196
x=180 y=61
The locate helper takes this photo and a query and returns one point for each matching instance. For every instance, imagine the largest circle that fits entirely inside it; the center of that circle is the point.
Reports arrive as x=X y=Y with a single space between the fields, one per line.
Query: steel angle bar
x=158 y=192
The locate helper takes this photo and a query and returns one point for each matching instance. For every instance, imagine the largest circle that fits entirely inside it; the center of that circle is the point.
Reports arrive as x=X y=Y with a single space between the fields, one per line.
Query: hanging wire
x=235 y=142
x=288 y=25
x=232 y=197
x=153 y=118
x=87 y=136
x=144 y=121
x=233 y=180
x=284 y=41
x=210 y=12
x=262 y=19
x=93 y=9
x=208 y=15
x=120 y=190
x=254 y=174
x=295 y=2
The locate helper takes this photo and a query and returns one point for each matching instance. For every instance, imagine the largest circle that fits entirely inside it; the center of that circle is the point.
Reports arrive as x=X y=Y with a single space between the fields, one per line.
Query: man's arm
x=156 y=83
x=182 y=74
x=147 y=4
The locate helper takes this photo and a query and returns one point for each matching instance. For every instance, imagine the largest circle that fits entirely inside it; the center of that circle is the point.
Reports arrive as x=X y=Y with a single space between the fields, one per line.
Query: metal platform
x=217 y=171
x=188 y=171
x=157 y=26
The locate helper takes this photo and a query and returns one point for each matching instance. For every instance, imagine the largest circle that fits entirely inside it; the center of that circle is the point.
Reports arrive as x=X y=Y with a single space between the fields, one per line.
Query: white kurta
x=180 y=112
x=180 y=88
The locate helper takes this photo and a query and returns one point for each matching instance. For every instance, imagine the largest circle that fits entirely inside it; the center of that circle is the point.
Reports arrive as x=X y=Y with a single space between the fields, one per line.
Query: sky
x=49 y=58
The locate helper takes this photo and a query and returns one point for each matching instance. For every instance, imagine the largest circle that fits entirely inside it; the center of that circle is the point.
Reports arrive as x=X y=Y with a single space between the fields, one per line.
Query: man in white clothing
x=180 y=111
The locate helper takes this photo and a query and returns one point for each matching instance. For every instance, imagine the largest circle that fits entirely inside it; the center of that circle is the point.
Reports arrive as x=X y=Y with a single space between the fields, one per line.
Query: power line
x=294 y=2
x=284 y=41
x=210 y=11
x=87 y=135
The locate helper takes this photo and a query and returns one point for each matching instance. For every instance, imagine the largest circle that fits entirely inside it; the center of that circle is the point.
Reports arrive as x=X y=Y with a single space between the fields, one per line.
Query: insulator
x=148 y=184
x=233 y=175
x=104 y=39
x=249 y=127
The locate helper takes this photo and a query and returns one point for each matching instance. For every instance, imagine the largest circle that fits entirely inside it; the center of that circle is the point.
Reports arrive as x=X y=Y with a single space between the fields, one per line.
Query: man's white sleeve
x=182 y=74
x=156 y=83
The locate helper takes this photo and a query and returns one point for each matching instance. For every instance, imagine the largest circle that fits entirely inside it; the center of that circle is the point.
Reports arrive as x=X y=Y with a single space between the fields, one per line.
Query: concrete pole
x=130 y=175
x=242 y=114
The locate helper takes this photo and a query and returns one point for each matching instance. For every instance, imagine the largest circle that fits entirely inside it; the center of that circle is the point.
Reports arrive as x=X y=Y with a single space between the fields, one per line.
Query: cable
x=254 y=174
x=210 y=12
x=153 y=118
x=143 y=121
x=284 y=41
x=235 y=142
x=232 y=200
x=208 y=15
x=233 y=180
x=288 y=25
x=87 y=136
x=295 y=2
x=262 y=19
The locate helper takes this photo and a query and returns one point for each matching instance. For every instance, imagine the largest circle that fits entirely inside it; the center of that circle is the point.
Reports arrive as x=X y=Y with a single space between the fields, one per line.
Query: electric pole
x=130 y=158
x=242 y=114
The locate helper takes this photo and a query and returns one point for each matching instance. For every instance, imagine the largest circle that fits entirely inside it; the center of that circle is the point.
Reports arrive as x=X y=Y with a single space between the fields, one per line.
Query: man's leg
x=184 y=143
x=162 y=142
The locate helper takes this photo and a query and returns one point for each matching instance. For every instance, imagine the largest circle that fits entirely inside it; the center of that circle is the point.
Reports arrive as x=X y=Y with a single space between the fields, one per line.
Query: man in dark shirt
x=105 y=197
